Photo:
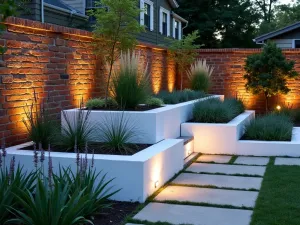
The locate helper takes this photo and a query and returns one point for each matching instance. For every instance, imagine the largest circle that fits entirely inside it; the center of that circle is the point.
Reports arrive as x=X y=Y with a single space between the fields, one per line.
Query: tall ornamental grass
x=200 y=75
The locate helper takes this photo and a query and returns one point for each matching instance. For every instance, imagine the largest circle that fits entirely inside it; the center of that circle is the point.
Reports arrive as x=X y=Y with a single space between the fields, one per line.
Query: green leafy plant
x=199 y=76
x=271 y=127
x=115 y=30
x=54 y=205
x=130 y=85
x=267 y=72
x=215 y=111
x=95 y=103
x=154 y=102
x=98 y=195
x=117 y=133
x=10 y=181
x=76 y=130
x=176 y=97
x=38 y=123
x=183 y=52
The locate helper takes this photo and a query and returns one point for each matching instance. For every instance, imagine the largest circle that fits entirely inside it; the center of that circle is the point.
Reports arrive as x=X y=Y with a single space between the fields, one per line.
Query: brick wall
x=228 y=76
x=57 y=62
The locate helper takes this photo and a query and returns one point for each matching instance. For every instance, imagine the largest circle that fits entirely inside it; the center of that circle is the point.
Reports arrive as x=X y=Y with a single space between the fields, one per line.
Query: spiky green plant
x=76 y=130
x=98 y=194
x=117 y=133
x=95 y=103
x=130 y=85
x=54 y=205
x=154 y=102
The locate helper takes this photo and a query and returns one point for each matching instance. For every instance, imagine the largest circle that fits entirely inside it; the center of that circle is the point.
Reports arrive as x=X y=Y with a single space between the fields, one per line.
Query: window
x=164 y=21
x=165 y=24
x=177 y=29
x=147 y=14
x=296 y=44
x=90 y=5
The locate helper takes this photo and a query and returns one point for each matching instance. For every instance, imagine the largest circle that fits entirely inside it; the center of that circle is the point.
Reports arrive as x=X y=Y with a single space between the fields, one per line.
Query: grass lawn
x=279 y=198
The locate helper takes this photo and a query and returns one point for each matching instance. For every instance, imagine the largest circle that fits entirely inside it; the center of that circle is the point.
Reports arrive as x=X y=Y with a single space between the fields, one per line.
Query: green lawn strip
x=145 y=222
x=174 y=202
x=232 y=160
x=278 y=202
x=212 y=187
x=224 y=174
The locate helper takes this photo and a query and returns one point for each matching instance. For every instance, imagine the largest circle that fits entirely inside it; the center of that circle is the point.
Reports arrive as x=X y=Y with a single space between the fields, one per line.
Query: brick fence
x=58 y=62
x=228 y=76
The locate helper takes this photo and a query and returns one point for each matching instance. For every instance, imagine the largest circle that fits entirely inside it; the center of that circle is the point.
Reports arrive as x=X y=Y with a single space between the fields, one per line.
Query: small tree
x=184 y=53
x=268 y=72
x=115 y=30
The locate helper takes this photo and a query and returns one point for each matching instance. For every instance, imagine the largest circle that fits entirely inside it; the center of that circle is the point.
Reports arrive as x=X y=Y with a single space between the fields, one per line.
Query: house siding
x=76 y=4
x=284 y=43
x=286 y=40
x=154 y=37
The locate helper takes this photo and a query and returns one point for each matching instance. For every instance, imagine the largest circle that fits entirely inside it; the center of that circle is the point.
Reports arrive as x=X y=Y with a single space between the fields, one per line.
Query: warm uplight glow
x=156 y=184
x=278 y=107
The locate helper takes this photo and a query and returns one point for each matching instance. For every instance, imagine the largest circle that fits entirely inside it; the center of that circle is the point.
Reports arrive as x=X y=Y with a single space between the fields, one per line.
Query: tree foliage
x=221 y=23
x=115 y=30
x=183 y=52
x=268 y=72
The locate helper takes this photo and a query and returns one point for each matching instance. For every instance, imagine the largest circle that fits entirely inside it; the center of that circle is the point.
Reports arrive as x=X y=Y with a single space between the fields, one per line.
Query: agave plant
x=117 y=134
x=97 y=194
x=76 y=130
x=56 y=206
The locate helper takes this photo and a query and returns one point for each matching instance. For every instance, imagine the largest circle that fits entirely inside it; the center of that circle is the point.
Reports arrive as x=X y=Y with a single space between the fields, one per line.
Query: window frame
x=142 y=13
x=294 y=43
x=161 y=11
x=179 y=29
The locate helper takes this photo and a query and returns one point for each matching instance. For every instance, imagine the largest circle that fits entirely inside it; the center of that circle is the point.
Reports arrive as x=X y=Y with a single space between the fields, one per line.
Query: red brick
x=7 y=79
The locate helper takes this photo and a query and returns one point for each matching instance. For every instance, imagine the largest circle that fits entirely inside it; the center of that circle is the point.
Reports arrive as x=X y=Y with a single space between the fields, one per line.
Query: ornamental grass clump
x=199 y=76
x=117 y=134
x=216 y=111
x=271 y=127
x=99 y=103
x=130 y=84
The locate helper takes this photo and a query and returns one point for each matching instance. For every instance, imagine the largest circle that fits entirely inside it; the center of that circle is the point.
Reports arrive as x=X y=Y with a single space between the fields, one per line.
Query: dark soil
x=100 y=148
x=116 y=215
x=139 y=108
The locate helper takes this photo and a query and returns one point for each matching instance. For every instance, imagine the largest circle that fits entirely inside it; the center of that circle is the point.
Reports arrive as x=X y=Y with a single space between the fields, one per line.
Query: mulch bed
x=100 y=148
x=116 y=215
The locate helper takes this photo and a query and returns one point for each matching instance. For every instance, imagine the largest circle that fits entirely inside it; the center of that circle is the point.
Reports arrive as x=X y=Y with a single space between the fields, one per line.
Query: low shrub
x=199 y=76
x=216 y=111
x=154 y=102
x=95 y=103
x=176 y=97
x=130 y=85
x=293 y=114
x=271 y=127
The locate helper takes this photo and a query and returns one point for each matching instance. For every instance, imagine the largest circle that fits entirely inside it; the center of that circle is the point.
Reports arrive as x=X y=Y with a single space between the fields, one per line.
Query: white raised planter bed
x=153 y=125
x=214 y=138
x=138 y=175
x=271 y=148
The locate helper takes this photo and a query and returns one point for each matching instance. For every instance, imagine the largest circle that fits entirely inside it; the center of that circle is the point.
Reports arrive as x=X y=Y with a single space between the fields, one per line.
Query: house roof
x=174 y=3
x=179 y=17
x=62 y=5
x=277 y=32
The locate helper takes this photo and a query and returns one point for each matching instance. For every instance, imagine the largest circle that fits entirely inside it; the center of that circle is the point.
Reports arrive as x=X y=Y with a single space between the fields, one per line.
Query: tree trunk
x=108 y=81
x=267 y=102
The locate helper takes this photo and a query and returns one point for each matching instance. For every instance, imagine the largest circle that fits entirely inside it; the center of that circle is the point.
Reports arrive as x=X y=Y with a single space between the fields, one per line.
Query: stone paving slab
x=226 y=169
x=196 y=215
x=214 y=158
x=260 y=161
x=287 y=161
x=219 y=181
x=208 y=195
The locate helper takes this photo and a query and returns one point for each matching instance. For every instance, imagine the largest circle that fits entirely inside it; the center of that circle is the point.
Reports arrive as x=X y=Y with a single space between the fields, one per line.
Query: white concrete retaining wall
x=152 y=125
x=136 y=175
x=271 y=148
x=212 y=138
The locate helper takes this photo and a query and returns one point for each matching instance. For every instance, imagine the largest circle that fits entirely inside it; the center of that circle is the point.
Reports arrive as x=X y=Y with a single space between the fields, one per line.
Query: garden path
x=213 y=190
